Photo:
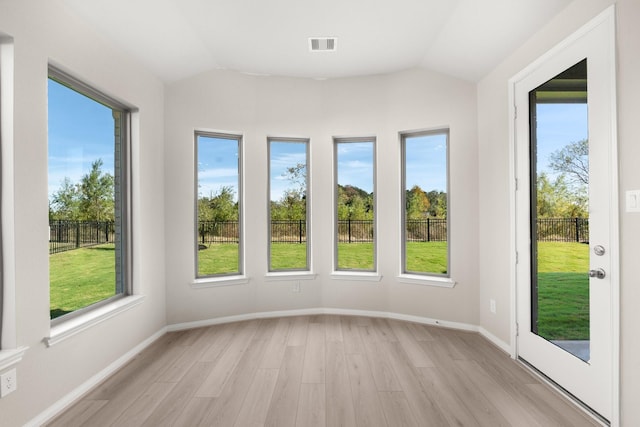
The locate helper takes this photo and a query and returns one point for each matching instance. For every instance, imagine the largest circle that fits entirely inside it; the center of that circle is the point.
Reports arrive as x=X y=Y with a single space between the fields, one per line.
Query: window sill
x=9 y=358
x=356 y=276
x=73 y=326
x=416 y=279
x=214 y=282
x=289 y=275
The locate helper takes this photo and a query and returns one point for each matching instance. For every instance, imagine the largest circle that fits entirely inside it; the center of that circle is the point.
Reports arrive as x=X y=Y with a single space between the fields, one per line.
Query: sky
x=557 y=126
x=217 y=165
x=80 y=132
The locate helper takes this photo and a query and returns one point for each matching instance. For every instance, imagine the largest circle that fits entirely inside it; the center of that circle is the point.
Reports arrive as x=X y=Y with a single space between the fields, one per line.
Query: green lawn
x=81 y=277
x=563 y=291
x=84 y=276
x=427 y=257
x=288 y=256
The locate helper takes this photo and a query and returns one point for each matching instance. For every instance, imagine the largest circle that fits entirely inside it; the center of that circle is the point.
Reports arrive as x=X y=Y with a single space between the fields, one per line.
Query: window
x=89 y=220
x=218 y=206
x=425 y=202
x=288 y=204
x=355 y=204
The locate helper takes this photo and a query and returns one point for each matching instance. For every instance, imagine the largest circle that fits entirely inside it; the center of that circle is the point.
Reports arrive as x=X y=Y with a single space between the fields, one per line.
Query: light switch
x=633 y=201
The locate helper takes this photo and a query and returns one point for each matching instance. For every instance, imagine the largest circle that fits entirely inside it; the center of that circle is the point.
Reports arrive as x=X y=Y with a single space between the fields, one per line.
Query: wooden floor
x=322 y=371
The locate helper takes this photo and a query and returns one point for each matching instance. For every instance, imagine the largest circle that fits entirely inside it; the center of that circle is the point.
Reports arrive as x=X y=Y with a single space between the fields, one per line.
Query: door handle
x=597 y=273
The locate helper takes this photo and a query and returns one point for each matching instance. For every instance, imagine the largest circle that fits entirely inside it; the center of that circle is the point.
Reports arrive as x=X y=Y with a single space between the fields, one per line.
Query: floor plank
x=311 y=406
x=322 y=371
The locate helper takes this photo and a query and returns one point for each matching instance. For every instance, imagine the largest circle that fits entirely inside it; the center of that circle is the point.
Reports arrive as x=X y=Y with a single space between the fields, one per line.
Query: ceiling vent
x=323 y=44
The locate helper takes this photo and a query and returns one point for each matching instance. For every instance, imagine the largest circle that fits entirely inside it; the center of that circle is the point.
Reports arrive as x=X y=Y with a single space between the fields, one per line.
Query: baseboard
x=79 y=391
x=314 y=311
x=496 y=341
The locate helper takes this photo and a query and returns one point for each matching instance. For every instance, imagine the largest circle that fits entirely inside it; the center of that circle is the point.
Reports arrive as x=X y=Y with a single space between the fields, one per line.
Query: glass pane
x=355 y=205
x=82 y=220
x=218 y=208
x=560 y=217
x=425 y=200
x=288 y=205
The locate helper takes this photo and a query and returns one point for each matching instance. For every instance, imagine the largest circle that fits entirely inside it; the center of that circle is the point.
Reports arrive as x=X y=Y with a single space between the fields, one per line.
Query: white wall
x=494 y=175
x=43 y=31
x=377 y=105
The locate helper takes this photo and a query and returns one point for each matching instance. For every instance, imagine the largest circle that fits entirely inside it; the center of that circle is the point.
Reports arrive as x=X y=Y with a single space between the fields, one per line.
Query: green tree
x=65 y=203
x=218 y=206
x=96 y=194
x=417 y=203
x=573 y=161
x=556 y=199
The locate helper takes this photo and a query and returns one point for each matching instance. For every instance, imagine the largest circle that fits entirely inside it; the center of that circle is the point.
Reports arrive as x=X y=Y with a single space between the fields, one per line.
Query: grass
x=81 y=277
x=563 y=291
x=288 y=256
x=84 y=276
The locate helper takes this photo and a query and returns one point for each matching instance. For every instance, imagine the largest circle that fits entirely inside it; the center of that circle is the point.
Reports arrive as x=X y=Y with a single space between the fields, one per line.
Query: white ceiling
x=180 y=38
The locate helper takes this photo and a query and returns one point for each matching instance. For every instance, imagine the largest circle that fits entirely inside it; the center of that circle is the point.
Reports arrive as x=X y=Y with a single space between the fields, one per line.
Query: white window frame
x=72 y=323
x=222 y=279
x=355 y=274
x=294 y=272
x=10 y=353
x=423 y=278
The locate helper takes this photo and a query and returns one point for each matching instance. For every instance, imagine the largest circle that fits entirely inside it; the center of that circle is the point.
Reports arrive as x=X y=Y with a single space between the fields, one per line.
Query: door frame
x=607 y=17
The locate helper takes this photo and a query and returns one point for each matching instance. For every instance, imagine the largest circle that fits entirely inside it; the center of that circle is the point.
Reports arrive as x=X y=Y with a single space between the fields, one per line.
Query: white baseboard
x=337 y=311
x=496 y=341
x=79 y=391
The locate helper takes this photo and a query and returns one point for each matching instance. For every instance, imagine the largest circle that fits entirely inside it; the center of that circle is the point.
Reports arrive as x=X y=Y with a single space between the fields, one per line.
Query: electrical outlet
x=8 y=382
x=295 y=287
x=492 y=306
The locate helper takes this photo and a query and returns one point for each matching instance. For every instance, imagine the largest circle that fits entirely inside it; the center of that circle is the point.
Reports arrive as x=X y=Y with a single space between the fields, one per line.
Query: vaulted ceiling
x=176 y=39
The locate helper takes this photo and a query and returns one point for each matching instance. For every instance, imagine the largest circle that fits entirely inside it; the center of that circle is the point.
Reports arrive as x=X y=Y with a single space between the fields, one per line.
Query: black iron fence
x=362 y=231
x=65 y=235
x=563 y=230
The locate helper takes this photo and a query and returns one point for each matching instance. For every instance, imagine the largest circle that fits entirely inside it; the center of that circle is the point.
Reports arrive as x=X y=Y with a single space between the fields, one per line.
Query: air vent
x=323 y=44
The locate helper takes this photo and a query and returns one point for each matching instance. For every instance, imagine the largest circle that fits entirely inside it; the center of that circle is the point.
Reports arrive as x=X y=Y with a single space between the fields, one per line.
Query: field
x=81 y=277
x=84 y=276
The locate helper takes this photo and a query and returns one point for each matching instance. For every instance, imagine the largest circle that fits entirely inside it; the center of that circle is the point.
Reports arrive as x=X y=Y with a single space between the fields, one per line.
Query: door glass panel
x=559 y=211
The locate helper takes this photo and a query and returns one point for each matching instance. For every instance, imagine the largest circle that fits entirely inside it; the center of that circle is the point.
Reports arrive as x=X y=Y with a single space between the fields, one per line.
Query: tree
x=554 y=199
x=572 y=160
x=417 y=203
x=65 y=203
x=96 y=194
x=218 y=206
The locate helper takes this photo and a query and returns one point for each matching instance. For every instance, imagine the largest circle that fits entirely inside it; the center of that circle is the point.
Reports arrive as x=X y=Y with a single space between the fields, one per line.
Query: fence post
x=349 y=228
x=428 y=230
x=77 y=234
x=577 y=230
x=300 y=230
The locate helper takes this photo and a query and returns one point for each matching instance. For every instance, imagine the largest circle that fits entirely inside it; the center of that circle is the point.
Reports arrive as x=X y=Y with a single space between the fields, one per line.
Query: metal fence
x=427 y=230
x=66 y=235
x=563 y=230
x=362 y=231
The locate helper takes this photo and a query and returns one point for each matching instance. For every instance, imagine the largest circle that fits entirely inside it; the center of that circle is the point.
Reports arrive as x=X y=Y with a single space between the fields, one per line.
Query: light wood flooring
x=322 y=371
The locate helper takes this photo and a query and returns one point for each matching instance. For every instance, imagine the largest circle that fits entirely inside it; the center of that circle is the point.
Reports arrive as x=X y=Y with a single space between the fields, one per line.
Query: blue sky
x=557 y=126
x=355 y=164
x=80 y=132
x=217 y=165
x=284 y=155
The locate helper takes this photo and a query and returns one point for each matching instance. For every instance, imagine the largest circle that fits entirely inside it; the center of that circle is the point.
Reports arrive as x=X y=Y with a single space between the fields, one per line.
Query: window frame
x=307 y=143
x=231 y=277
x=356 y=274
x=417 y=276
x=122 y=190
